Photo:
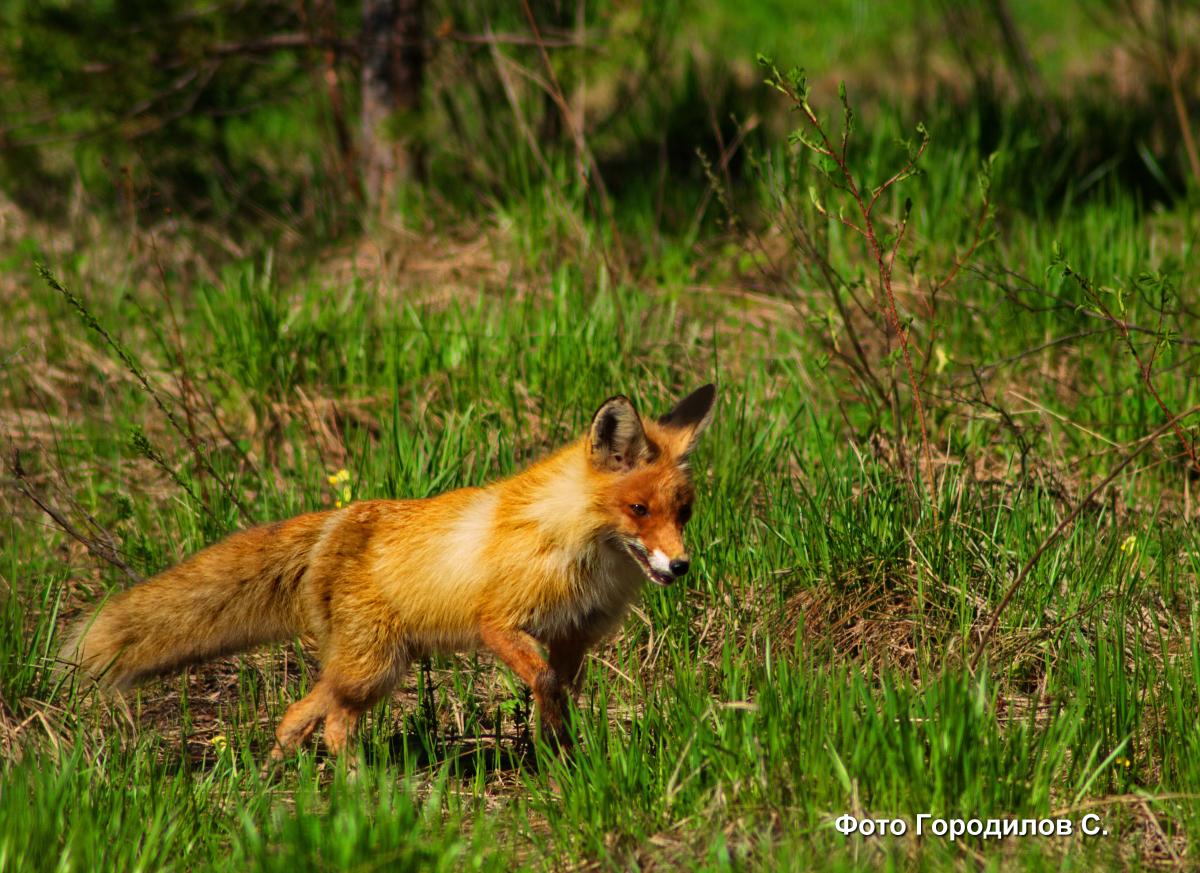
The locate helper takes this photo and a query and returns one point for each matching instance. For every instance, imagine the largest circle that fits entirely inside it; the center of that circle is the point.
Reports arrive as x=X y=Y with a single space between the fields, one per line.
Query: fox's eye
x=685 y=513
x=639 y=509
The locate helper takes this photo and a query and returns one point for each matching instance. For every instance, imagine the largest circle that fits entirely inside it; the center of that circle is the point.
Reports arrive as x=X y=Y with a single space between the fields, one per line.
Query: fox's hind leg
x=339 y=725
x=301 y=720
x=362 y=654
x=357 y=686
x=359 y=672
x=352 y=681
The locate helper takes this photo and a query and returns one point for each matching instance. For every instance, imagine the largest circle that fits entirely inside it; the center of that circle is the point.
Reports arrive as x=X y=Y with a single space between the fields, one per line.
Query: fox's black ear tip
x=705 y=394
x=693 y=409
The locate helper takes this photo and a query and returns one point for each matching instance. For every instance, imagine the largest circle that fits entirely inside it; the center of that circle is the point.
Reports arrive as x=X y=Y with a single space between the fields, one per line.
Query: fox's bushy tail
x=235 y=594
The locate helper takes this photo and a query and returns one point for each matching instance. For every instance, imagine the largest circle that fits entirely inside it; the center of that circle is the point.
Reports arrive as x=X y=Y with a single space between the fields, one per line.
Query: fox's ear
x=617 y=441
x=689 y=418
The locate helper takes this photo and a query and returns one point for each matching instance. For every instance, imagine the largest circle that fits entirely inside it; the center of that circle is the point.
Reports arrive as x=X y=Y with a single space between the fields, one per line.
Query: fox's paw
x=552 y=699
x=272 y=765
x=554 y=705
x=562 y=740
x=551 y=695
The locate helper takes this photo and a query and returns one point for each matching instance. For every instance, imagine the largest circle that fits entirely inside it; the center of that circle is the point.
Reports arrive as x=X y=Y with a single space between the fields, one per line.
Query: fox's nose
x=679 y=566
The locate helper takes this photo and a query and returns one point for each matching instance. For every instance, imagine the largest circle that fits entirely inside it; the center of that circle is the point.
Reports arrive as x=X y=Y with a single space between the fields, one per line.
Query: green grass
x=815 y=663
x=718 y=730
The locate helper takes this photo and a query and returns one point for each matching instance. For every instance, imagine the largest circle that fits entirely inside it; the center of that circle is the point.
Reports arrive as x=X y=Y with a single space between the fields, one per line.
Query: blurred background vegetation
x=272 y=118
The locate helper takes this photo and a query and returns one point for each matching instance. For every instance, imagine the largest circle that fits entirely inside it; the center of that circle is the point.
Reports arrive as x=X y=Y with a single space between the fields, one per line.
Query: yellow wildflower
x=1130 y=542
x=340 y=482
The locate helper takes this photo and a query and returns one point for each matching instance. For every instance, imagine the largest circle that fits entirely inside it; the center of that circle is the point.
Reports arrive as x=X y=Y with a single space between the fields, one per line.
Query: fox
x=537 y=568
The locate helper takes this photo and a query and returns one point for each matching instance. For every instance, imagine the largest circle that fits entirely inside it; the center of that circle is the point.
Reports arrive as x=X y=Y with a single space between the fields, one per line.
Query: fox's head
x=647 y=494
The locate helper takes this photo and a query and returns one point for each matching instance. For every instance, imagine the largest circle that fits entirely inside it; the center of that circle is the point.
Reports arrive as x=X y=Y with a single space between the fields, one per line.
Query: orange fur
x=550 y=557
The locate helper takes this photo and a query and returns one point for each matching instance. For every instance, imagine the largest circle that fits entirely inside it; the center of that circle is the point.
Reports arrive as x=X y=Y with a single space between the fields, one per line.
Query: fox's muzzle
x=657 y=567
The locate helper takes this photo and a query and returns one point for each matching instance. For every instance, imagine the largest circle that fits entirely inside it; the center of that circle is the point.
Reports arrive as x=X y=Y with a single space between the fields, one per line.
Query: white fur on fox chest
x=595 y=584
x=580 y=576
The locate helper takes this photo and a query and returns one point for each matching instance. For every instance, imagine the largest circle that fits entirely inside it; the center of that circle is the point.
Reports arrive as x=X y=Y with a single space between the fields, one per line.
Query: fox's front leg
x=567 y=654
x=519 y=651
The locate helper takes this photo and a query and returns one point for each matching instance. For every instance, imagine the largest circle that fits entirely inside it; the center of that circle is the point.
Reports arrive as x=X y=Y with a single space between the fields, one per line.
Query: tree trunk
x=392 y=70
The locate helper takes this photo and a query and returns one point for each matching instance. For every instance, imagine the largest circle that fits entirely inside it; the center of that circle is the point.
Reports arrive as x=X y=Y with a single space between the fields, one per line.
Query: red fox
x=552 y=557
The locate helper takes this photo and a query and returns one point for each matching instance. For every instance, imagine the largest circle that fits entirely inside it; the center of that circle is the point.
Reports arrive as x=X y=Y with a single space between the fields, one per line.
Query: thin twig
x=865 y=208
x=126 y=358
x=589 y=170
x=1144 y=367
x=93 y=546
x=1146 y=442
